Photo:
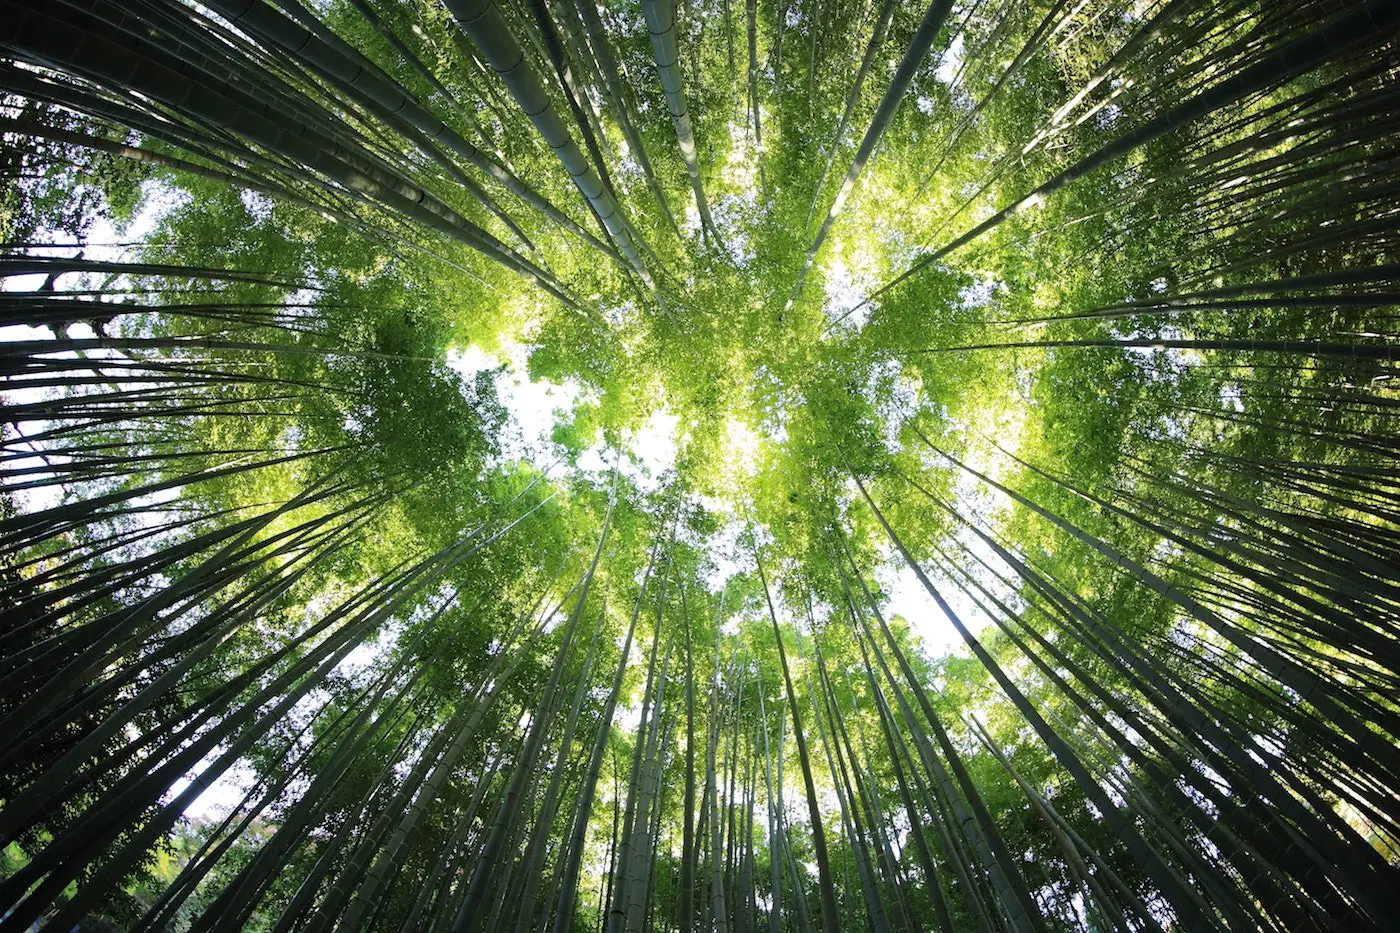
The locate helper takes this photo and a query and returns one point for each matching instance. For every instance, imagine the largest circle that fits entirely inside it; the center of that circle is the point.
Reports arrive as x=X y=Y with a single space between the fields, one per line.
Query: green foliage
x=264 y=523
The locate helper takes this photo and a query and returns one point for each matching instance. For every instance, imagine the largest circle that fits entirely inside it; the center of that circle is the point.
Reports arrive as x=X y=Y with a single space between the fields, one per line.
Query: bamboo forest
x=712 y=466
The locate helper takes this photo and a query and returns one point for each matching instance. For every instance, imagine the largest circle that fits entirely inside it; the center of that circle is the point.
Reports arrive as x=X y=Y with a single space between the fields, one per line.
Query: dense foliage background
x=817 y=464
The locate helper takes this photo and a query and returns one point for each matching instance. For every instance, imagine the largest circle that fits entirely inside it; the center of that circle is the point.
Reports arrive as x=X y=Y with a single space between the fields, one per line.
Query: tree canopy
x=625 y=466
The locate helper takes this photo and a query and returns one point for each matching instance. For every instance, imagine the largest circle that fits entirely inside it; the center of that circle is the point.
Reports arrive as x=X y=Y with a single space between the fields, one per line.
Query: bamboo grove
x=1060 y=330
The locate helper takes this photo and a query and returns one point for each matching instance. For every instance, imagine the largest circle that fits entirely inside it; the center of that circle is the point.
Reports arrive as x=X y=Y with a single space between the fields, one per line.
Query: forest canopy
x=634 y=465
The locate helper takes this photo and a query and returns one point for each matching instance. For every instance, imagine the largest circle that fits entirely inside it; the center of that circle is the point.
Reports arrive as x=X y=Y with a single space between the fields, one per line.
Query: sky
x=531 y=408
